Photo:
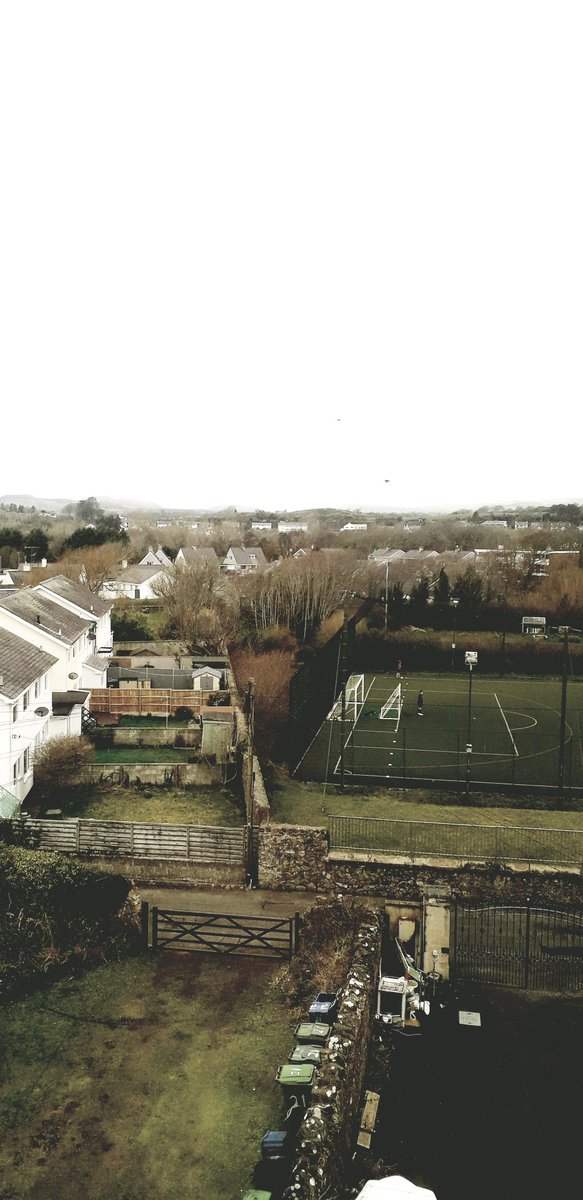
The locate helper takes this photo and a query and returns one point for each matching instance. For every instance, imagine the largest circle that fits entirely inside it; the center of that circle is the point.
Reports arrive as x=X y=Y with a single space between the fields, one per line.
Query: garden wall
x=292 y=858
x=327 y=1134
x=173 y=774
x=116 y=736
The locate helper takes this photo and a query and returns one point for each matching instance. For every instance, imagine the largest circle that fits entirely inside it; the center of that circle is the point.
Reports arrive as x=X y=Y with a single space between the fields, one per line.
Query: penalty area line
x=503 y=715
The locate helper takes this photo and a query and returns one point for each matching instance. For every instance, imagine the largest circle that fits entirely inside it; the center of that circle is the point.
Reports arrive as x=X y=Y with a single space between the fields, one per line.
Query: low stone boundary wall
x=178 y=775
x=111 y=735
x=297 y=858
x=328 y=1131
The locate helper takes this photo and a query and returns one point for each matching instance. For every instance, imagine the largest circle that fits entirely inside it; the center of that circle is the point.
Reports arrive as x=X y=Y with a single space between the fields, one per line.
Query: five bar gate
x=531 y=947
x=222 y=933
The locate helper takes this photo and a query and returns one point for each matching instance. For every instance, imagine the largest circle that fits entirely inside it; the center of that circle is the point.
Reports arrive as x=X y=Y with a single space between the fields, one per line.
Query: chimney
x=43 y=562
x=124 y=564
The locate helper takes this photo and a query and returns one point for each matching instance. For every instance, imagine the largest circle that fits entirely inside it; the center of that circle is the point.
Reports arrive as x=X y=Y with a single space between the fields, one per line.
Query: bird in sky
x=387 y=481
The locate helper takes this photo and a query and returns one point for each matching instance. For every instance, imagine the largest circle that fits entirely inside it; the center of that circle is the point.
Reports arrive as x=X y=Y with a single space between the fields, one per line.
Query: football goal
x=354 y=700
x=391 y=709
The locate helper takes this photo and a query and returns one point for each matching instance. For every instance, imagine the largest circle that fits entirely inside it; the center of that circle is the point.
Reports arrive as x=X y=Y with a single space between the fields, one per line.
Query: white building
x=25 y=714
x=155 y=558
x=242 y=561
x=261 y=524
x=353 y=526
x=59 y=630
x=292 y=527
x=135 y=583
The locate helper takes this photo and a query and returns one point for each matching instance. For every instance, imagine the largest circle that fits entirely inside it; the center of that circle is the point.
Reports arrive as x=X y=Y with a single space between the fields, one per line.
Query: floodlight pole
x=469 y=737
x=386 y=594
x=454 y=603
x=343 y=672
x=563 y=730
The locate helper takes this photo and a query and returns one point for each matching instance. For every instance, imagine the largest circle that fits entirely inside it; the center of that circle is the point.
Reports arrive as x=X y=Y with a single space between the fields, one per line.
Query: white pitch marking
x=503 y=715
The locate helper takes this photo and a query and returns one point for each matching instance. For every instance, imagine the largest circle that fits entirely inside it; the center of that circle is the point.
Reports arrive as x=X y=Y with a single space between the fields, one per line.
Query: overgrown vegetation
x=55 y=912
x=57 y=765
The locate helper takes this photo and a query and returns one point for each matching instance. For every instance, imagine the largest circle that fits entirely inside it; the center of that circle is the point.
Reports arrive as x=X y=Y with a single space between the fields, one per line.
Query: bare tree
x=201 y=605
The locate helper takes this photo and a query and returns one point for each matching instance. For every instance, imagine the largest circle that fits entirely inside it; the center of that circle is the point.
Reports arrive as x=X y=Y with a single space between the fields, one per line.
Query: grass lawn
x=157 y=805
x=147 y=1080
x=145 y=754
x=297 y=803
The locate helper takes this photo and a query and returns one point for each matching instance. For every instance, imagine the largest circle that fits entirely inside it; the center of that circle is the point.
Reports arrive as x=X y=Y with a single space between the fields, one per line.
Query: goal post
x=391 y=709
x=354 y=700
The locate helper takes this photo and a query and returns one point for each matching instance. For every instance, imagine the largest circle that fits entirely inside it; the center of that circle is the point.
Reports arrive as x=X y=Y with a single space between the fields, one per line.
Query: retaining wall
x=297 y=858
x=327 y=1134
x=113 y=736
x=178 y=775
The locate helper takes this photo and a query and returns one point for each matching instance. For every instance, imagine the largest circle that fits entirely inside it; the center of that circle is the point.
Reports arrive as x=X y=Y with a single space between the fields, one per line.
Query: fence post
x=154 y=928
x=145 y=922
x=296 y=930
x=78 y=836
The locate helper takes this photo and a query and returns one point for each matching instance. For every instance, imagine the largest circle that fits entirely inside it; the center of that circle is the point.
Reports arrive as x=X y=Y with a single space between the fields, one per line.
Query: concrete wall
x=176 y=774
x=114 y=736
x=172 y=874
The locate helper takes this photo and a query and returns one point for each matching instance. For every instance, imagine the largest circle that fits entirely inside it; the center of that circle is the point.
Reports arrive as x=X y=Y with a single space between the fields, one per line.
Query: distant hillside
x=38 y=501
x=109 y=503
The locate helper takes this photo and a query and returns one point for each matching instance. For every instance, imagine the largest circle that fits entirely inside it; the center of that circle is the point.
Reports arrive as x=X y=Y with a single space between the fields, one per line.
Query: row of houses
x=55 y=647
x=140 y=582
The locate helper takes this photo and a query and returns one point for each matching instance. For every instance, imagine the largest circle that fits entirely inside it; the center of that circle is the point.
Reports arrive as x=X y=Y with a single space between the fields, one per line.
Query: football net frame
x=392 y=708
x=354 y=700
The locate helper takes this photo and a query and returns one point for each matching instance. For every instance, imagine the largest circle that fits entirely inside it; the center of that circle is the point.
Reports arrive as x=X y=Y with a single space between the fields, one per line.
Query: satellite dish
x=73 y=675
x=41 y=712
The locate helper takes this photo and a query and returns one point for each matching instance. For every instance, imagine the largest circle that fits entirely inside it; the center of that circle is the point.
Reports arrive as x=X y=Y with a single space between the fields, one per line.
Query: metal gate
x=224 y=933
x=540 y=949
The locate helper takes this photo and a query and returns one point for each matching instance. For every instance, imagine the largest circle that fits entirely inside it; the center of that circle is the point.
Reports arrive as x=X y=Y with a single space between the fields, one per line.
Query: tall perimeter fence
x=315 y=687
x=420 y=840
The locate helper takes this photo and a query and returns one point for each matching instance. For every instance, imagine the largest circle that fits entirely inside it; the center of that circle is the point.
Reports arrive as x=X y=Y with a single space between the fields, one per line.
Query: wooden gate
x=540 y=949
x=222 y=933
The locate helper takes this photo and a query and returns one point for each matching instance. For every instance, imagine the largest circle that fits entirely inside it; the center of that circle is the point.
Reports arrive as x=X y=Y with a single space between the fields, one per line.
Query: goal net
x=391 y=709
x=354 y=700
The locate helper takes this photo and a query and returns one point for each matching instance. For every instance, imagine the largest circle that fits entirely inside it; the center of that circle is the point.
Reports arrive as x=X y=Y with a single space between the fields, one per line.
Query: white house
x=50 y=625
x=155 y=558
x=80 y=600
x=135 y=583
x=25 y=714
x=353 y=526
x=195 y=555
x=292 y=527
x=242 y=561
x=261 y=524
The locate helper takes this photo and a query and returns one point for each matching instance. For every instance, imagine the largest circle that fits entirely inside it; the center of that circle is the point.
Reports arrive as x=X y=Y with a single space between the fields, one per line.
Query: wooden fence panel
x=129 y=839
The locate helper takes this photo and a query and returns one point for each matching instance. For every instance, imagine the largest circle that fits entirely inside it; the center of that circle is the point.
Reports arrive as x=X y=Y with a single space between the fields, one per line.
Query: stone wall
x=115 y=736
x=327 y=1133
x=178 y=775
x=295 y=858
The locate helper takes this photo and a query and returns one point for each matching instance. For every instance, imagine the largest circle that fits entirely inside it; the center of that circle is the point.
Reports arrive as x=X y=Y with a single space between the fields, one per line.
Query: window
x=15 y=712
x=25 y=760
x=25 y=701
x=15 y=773
x=36 y=689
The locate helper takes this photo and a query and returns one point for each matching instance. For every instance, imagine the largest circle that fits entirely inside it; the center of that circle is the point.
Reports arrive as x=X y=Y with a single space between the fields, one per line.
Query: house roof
x=245 y=557
x=137 y=574
x=97 y=662
x=47 y=615
x=65 y=702
x=20 y=664
x=194 y=554
x=81 y=596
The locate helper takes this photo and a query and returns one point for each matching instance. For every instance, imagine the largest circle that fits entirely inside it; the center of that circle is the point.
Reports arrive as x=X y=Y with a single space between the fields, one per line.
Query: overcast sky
x=274 y=254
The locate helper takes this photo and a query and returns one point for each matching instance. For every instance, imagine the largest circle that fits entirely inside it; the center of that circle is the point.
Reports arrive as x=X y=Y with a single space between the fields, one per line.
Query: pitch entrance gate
x=526 y=946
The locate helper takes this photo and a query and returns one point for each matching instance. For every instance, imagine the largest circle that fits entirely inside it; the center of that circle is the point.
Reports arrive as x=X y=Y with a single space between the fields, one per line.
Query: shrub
x=57 y=764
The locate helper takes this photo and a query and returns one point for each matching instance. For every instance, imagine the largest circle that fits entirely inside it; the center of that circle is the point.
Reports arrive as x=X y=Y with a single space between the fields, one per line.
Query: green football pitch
x=514 y=728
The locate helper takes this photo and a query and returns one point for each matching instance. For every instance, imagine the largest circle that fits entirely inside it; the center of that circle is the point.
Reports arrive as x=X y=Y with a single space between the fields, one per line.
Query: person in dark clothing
x=420 y=704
